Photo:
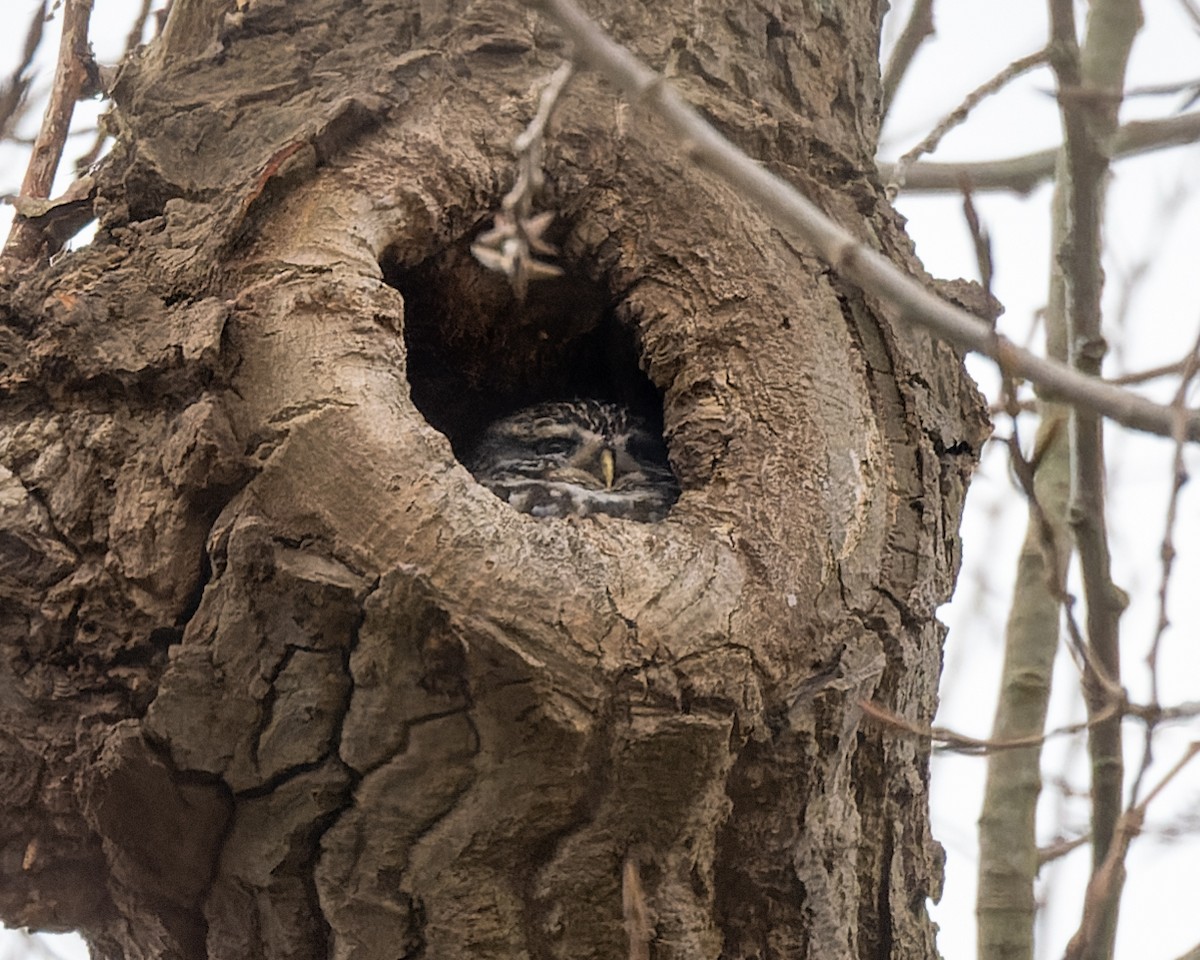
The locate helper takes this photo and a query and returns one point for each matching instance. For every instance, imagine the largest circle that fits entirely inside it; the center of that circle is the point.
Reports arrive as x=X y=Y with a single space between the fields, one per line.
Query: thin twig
x=951 y=741
x=870 y=270
x=1152 y=373
x=1022 y=174
x=1167 y=558
x=916 y=29
x=1163 y=89
x=1107 y=880
x=518 y=233
x=959 y=114
x=14 y=89
x=982 y=244
x=1024 y=471
x=1158 y=714
x=25 y=241
x=1023 y=405
x=132 y=40
x=1083 y=655
x=1060 y=848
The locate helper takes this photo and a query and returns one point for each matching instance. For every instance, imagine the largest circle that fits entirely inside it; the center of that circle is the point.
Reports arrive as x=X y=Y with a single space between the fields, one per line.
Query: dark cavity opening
x=476 y=353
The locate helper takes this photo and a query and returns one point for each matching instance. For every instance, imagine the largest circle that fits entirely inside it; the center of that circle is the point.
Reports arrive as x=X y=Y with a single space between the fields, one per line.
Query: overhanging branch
x=873 y=272
x=1022 y=174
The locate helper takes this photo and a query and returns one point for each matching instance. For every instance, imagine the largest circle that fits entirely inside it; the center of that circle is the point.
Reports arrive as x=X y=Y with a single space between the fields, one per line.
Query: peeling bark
x=279 y=679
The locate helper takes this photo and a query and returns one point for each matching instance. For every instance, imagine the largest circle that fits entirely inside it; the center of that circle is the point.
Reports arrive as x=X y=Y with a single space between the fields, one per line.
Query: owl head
x=576 y=458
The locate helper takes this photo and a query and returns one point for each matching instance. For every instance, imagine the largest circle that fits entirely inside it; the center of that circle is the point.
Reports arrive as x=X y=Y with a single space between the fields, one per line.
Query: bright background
x=1153 y=311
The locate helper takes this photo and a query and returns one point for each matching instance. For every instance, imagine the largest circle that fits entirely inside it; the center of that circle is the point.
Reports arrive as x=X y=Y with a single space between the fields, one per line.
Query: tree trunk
x=280 y=679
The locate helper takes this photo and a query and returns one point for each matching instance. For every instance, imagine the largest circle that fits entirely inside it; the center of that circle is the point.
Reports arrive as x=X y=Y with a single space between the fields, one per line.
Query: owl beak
x=608 y=467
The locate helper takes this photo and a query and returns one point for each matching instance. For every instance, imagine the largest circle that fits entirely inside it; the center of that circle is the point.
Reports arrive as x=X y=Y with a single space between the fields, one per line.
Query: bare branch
x=1022 y=174
x=1008 y=856
x=796 y=215
x=1090 y=83
x=955 y=742
x=132 y=40
x=14 y=89
x=918 y=27
x=982 y=244
x=518 y=233
x=1031 y=475
x=1165 y=89
x=70 y=80
x=950 y=741
x=1108 y=878
x=1060 y=848
x=1151 y=373
x=1167 y=558
x=958 y=115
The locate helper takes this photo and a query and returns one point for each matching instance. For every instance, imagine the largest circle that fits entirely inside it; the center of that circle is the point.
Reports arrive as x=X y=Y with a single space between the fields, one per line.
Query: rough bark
x=279 y=679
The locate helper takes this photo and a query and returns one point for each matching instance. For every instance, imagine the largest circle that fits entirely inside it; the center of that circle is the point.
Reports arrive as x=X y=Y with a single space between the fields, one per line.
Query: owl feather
x=576 y=458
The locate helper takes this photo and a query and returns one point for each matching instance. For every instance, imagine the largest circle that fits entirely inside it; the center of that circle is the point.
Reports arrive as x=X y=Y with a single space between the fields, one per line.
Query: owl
x=575 y=458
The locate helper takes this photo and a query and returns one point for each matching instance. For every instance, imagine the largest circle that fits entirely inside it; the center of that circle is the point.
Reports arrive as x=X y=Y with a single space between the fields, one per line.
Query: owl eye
x=575 y=459
x=551 y=446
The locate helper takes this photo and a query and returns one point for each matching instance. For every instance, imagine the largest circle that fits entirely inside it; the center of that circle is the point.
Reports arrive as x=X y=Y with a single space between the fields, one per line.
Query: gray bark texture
x=279 y=679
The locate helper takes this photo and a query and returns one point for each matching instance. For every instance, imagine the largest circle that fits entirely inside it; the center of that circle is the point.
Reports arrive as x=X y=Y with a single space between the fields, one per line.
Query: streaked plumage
x=576 y=458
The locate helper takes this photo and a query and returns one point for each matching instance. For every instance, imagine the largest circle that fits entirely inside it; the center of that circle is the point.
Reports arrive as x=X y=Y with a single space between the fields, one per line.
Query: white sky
x=1154 y=218
x=1154 y=215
